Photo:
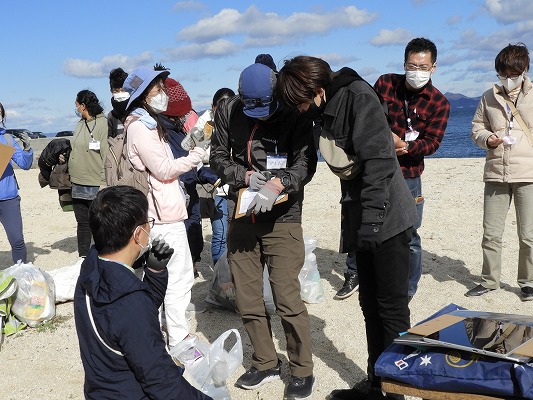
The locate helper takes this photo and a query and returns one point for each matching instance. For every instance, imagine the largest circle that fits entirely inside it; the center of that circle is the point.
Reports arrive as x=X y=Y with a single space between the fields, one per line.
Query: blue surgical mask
x=78 y=113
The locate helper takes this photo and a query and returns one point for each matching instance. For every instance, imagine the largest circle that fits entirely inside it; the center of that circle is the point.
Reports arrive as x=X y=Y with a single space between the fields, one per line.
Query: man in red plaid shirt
x=419 y=114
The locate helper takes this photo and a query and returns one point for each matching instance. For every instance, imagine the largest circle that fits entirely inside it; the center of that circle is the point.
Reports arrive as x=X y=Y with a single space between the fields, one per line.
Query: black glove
x=369 y=236
x=159 y=255
x=25 y=139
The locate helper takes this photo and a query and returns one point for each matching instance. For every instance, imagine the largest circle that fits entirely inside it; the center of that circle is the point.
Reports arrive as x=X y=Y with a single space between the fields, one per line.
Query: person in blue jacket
x=10 y=215
x=116 y=314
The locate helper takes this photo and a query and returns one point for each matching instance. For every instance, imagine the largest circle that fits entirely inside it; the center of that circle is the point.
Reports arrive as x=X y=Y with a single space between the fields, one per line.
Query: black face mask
x=119 y=107
x=314 y=112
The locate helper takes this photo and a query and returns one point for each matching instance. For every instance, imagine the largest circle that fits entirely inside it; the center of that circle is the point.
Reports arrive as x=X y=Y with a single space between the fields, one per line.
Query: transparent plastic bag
x=65 y=280
x=221 y=287
x=311 y=288
x=210 y=372
x=35 y=298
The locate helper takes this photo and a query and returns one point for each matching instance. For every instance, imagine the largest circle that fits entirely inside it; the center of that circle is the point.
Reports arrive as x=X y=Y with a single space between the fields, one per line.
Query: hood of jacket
x=342 y=78
x=107 y=281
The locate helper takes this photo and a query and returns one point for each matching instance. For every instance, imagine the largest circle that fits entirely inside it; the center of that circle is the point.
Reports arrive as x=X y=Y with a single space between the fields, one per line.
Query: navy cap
x=256 y=90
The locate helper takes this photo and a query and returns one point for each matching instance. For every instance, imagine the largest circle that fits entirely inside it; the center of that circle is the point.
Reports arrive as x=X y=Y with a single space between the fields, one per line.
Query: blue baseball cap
x=256 y=90
x=139 y=79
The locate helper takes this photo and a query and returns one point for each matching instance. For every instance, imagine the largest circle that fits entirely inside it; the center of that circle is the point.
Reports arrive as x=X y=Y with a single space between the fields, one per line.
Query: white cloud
x=453 y=20
x=254 y=24
x=188 y=6
x=215 y=49
x=509 y=11
x=80 y=68
x=387 y=37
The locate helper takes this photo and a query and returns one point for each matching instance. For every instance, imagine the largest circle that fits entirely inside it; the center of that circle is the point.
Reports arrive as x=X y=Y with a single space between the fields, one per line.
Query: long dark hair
x=91 y=102
x=140 y=102
x=301 y=78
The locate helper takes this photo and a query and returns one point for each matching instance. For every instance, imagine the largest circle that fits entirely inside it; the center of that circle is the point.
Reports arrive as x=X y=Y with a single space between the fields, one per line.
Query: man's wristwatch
x=285 y=180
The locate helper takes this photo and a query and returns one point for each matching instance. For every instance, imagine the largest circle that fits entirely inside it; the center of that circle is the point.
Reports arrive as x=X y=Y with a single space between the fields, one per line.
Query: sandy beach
x=45 y=363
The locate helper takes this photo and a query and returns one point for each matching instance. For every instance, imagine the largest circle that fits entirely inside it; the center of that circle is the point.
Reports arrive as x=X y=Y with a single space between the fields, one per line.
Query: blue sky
x=53 y=49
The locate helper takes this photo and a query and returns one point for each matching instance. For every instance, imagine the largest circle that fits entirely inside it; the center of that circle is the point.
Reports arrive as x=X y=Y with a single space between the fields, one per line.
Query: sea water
x=456 y=142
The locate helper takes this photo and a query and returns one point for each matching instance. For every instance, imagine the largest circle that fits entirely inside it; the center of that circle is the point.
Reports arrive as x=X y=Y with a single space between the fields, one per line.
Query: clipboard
x=245 y=198
x=6 y=152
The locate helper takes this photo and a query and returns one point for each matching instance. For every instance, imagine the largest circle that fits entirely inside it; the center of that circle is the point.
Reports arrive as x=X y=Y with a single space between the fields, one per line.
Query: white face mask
x=417 y=79
x=159 y=102
x=121 y=96
x=510 y=84
x=146 y=248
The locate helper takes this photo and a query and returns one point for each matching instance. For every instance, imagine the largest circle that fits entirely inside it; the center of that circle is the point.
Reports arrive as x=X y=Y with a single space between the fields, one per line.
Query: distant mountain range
x=458 y=100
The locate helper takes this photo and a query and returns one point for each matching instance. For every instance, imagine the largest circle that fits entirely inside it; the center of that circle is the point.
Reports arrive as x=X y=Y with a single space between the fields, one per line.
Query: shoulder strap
x=88 y=302
x=518 y=117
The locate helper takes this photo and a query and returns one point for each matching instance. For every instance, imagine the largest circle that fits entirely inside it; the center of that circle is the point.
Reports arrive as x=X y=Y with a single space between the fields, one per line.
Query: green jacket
x=86 y=166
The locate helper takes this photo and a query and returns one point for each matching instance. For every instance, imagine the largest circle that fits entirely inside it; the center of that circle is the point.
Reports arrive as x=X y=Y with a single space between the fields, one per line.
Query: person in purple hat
x=149 y=150
x=269 y=149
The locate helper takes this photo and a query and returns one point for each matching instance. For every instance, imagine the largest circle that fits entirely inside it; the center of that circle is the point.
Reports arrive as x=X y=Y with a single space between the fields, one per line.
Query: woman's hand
x=494 y=141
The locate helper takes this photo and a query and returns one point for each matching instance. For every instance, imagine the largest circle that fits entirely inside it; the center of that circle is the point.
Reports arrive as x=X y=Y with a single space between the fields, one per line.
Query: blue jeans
x=11 y=218
x=219 y=227
x=415 y=245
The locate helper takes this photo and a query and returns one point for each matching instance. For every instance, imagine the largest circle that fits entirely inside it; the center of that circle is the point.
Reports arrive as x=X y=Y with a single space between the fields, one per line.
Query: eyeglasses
x=151 y=222
x=513 y=78
x=414 y=67
x=260 y=102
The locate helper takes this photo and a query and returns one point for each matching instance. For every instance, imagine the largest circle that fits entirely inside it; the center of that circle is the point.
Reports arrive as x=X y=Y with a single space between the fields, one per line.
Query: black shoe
x=351 y=284
x=299 y=388
x=479 y=290
x=527 y=293
x=253 y=378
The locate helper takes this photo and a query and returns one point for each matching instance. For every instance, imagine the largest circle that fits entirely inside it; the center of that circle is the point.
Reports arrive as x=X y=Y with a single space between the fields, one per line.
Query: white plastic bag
x=211 y=371
x=65 y=281
x=35 y=298
x=311 y=288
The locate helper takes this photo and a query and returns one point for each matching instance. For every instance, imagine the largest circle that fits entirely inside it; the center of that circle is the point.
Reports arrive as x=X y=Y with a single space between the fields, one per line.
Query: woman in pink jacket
x=148 y=149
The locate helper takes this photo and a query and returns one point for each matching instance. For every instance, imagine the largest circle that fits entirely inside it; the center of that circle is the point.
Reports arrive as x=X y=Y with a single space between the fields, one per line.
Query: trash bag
x=65 y=280
x=221 y=287
x=311 y=288
x=35 y=297
x=210 y=371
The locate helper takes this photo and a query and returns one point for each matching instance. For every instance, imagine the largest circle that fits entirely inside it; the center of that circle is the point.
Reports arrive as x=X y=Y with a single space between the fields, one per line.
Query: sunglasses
x=260 y=102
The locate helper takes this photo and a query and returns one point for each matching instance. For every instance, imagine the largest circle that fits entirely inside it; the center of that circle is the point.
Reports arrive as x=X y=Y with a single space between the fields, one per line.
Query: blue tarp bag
x=455 y=371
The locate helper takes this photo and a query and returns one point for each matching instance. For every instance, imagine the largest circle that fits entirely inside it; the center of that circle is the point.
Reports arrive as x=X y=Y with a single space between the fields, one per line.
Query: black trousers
x=383 y=282
x=83 y=231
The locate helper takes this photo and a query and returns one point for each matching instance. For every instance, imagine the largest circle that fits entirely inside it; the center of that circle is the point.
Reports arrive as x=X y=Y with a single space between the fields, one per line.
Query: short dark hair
x=117 y=77
x=266 y=59
x=91 y=102
x=3 y=114
x=222 y=93
x=301 y=78
x=113 y=216
x=421 y=45
x=512 y=59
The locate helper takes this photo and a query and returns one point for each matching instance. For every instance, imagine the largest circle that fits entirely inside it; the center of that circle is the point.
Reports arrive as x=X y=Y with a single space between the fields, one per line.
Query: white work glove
x=23 y=136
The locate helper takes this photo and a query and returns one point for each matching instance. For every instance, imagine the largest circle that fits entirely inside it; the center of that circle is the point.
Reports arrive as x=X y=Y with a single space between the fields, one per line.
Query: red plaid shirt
x=428 y=109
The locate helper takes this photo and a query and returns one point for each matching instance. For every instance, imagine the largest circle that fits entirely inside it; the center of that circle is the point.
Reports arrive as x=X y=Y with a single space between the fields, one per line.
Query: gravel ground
x=45 y=363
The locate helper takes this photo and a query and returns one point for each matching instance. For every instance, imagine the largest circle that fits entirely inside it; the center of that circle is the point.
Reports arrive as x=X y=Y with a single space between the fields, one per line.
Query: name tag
x=276 y=162
x=94 y=145
x=411 y=135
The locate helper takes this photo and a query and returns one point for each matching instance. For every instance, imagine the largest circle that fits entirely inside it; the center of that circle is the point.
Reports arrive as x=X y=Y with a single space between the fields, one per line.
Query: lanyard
x=90 y=130
x=249 y=147
x=407 y=118
x=511 y=118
